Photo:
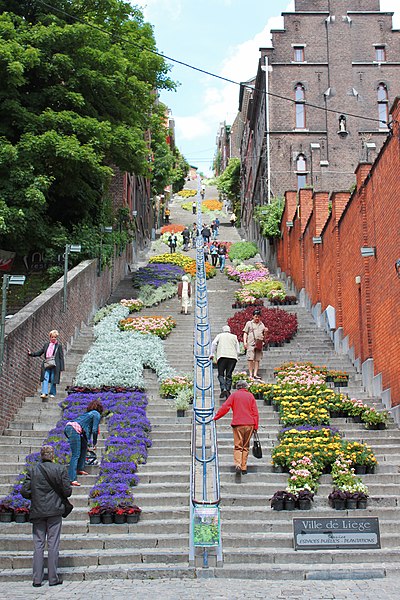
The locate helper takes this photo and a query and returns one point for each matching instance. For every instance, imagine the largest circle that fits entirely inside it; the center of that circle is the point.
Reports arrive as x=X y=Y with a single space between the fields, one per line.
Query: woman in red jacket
x=244 y=422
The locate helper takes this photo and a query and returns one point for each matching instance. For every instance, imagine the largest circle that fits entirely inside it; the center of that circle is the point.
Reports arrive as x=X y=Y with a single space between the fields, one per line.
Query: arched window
x=383 y=106
x=301 y=169
x=300 y=98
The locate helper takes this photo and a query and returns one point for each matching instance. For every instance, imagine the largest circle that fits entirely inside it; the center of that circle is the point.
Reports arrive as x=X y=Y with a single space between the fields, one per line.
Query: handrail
x=204 y=475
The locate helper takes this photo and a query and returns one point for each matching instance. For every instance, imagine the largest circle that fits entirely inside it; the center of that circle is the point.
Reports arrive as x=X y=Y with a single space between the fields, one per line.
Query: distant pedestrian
x=206 y=233
x=80 y=432
x=244 y=422
x=222 y=257
x=232 y=219
x=172 y=243
x=186 y=239
x=167 y=214
x=214 y=253
x=194 y=207
x=46 y=484
x=206 y=251
x=214 y=230
x=52 y=365
x=217 y=222
x=185 y=294
x=254 y=335
x=225 y=347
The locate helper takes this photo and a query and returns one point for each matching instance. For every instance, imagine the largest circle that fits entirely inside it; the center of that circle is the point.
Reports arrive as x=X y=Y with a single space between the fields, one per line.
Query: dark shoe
x=223 y=394
x=238 y=470
x=36 y=584
x=59 y=582
x=227 y=393
x=244 y=472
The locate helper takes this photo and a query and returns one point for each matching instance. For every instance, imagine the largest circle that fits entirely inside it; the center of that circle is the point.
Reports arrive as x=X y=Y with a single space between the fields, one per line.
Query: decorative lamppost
x=7 y=281
x=68 y=248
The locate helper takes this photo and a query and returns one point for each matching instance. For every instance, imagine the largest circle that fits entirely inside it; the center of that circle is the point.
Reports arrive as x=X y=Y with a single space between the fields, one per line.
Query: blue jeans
x=78 y=446
x=221 y=262
x=49 y=379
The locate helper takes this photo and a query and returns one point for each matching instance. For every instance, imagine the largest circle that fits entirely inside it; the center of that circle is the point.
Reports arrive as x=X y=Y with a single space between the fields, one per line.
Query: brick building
x=343 y=263
x=334 y=60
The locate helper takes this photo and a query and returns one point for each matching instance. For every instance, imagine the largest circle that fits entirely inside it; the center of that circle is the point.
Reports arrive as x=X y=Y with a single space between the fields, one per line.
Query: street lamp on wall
x=103 y=229
x=7 y=281
x=68 y=248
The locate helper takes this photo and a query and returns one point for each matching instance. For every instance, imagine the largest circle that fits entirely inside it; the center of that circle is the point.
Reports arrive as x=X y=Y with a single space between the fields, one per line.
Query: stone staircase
x=257 y=542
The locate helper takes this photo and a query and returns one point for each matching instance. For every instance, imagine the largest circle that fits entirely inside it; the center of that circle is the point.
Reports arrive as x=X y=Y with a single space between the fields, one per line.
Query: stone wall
x=28 y=329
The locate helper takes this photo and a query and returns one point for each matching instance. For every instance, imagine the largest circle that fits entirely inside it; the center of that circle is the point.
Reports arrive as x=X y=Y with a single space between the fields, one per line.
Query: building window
x=383 y=106
x=301 y=169
x=380 y=53
x=298 y=53
x=300 y=98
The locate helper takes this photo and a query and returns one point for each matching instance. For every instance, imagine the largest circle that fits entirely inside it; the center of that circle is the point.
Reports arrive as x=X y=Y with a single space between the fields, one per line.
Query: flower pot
x=335 y=414
x=305 y=504
x=362 y=504
x=119 y=519
x=278 y=505
x=267 y=401
x=357 y=419
x=277 y=469
x=275 y=406
x=95 y=519
x=370 y=469
x=6 y=517
x=351 y=504
x=20 y=517
x=289 y=504
x=360 y=469
x=339 y=504
x=180 y=413
x=107 y=519
x=133 y=518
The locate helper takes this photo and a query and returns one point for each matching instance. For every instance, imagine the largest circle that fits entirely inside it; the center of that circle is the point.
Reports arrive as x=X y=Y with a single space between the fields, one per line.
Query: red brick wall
x=368 y=312
x=29 y=328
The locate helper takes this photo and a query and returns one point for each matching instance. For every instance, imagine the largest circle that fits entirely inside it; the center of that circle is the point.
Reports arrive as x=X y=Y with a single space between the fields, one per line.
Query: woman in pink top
x=244 y=422
x=50 y=376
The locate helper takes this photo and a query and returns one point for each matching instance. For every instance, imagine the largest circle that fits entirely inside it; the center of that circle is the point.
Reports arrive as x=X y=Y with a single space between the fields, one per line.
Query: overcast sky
x=222 y=37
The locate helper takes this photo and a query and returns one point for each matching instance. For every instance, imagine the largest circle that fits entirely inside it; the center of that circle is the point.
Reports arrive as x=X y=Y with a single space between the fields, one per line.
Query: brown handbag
x=259 y=344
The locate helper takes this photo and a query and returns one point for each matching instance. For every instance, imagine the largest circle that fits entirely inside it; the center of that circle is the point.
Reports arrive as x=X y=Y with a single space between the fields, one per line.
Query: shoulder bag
x=258 y=344
x=50 y=362
x=68 y=507
x=257 y=450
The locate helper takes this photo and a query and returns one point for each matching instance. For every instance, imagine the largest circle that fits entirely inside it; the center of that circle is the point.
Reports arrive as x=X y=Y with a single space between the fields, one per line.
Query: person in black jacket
x=50 y=375
x=46 y=512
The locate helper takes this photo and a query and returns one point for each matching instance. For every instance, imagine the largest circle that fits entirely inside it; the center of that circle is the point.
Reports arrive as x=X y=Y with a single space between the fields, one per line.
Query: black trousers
x=225 y=370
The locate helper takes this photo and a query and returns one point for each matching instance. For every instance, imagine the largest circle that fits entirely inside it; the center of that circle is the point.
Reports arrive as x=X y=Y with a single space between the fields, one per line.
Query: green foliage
x=151 y=296
x=229 y=181
x=243 y=251
x=73 y=101
x=269 y=217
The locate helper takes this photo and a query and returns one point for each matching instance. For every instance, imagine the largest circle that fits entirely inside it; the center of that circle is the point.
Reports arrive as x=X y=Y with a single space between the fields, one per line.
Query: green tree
x=74 y=100
x=269 y=217
x=228 y=183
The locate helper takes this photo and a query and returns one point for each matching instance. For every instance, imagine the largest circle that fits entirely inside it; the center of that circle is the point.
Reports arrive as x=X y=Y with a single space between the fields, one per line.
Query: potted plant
x=362 y=499
x=95 y=515
x=182 y=401
x=21 y=514
x=374 y=419
x=337 y=499
x=278 y=499
x=289 y=502
x=6 y=512
x=120 y=515
x=133 y=514
x=304 y=499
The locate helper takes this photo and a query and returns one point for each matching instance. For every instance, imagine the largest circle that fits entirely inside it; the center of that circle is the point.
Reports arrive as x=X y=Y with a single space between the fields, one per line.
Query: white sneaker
x=51 y=396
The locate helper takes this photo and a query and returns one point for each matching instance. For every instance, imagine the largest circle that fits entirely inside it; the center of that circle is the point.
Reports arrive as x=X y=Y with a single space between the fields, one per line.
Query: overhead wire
x=198 y=69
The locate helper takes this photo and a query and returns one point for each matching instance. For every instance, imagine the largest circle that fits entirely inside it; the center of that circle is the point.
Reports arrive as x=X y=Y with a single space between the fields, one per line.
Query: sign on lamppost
x=68 y=248
x=7 y=281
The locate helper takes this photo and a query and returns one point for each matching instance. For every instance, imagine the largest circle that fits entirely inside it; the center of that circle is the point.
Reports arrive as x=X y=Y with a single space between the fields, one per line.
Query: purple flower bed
x=126 y=447
x=157 y=274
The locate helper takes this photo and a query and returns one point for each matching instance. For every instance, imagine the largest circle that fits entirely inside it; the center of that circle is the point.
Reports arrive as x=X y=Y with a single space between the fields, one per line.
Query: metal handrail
x=204 y=476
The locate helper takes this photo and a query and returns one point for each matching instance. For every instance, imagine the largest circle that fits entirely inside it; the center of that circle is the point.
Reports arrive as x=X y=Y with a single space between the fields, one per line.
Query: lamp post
x=68 y=248
x=107 y=229
x=7 y=281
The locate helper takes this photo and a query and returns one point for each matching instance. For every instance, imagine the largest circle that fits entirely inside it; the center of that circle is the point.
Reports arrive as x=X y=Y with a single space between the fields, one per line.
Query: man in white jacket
x=225 y=347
